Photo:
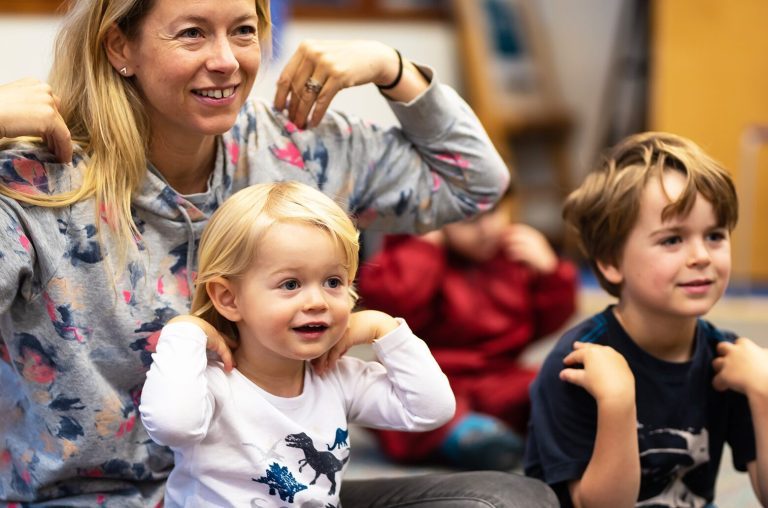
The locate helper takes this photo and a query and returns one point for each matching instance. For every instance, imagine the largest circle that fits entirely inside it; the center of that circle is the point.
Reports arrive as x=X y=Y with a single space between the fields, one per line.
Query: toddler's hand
x=606 y=375
x=742 y=366
x=525 y=244
x=216 y=342
x=364 y=327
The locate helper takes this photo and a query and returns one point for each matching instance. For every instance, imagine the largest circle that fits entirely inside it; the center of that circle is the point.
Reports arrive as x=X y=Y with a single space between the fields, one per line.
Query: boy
x=633 y=406
x=479 y=292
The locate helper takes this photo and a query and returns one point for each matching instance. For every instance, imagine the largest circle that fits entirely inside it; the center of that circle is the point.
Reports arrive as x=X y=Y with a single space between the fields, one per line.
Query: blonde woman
x=98 y=255
x=275 y=428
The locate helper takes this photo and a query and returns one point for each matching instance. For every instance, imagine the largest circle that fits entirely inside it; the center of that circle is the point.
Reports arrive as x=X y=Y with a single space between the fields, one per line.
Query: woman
x=97 y=256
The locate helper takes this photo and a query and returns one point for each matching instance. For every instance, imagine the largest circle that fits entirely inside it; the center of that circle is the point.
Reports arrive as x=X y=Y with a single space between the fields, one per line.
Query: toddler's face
x=294 y=301
x=678 y=267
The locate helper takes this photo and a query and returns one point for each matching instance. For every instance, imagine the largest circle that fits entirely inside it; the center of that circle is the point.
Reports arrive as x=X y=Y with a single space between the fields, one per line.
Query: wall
x=710 y=83
x=581 y=36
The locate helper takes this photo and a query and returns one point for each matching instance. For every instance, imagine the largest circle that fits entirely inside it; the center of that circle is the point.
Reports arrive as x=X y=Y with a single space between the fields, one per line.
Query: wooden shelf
x=373 y=10
x=367 y=10
x=31 y=6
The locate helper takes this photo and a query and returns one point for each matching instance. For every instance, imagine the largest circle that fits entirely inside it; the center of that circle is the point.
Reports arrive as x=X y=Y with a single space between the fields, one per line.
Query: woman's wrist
x=389 y=85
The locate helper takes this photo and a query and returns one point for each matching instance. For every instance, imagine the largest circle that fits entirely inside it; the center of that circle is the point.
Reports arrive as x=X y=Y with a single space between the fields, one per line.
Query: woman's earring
x=124 y=71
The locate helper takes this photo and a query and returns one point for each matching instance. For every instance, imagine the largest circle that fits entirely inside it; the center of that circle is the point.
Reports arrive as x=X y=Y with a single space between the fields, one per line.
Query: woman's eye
x=290 y=285
x=245 y=30
x=191 y=33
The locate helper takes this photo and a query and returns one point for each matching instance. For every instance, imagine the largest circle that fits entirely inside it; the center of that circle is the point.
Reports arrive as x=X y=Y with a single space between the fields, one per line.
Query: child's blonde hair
x=603 y=210
x=231 y=238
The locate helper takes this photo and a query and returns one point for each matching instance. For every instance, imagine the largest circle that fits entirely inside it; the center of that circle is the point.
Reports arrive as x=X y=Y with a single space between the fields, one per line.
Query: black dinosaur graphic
x=322 y=462
x=341 y=439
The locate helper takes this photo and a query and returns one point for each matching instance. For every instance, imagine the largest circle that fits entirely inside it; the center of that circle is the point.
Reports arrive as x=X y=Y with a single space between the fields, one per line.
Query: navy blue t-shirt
x=682 y=422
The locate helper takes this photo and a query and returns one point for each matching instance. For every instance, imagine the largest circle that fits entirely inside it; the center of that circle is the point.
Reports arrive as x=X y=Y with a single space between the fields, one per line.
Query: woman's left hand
x=318 y=70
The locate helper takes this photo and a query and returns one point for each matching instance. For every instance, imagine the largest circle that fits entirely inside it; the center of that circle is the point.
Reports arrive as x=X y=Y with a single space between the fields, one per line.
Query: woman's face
x=195 y=62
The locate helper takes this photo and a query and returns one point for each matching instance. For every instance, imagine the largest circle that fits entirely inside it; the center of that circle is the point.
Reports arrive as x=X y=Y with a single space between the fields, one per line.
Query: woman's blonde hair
x=104 y=111
x=604 y=209
x=232 y=237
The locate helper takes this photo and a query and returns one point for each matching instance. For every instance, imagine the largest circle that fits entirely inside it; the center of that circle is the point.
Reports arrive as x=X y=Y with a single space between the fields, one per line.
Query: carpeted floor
x=747 y=316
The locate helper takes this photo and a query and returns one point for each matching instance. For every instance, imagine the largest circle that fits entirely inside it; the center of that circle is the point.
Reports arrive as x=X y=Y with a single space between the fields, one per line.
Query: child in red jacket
x=478 y=292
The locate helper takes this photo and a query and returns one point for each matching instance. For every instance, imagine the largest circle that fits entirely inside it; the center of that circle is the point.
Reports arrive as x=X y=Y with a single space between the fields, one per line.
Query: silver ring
x=313 y=86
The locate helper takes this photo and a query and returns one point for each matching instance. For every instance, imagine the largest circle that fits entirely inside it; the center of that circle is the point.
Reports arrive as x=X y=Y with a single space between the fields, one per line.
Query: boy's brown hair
x=604 y=209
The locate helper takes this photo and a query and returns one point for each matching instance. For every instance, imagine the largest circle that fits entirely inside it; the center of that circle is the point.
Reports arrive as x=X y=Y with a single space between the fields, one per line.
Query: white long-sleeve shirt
x=237 y=445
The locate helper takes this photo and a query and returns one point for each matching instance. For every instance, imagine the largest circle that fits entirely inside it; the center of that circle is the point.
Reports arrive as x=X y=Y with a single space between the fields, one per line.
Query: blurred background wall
x=609 y=68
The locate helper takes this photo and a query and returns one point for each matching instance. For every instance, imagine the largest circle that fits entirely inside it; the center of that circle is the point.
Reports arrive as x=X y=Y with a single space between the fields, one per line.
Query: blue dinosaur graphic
x=322 y=462
x=281 y=482
x=341 y=439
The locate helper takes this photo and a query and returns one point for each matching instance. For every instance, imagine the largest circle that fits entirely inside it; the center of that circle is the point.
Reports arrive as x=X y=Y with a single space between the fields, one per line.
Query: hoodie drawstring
x=190 y=252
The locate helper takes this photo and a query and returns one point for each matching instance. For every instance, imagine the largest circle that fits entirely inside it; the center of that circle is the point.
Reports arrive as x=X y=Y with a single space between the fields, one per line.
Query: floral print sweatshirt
x=76 y=332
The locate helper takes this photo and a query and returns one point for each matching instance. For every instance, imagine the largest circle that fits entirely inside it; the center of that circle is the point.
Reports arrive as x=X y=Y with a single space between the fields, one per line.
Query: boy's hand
x=606 y=375
x=364 y=327
x=742 y=366
x=436 y=237
x=216 y=342
x=525 y=244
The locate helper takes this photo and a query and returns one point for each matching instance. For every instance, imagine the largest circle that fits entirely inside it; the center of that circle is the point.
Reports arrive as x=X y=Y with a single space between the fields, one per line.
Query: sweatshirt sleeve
x=31 y=240
x=176 y=405
x=438 y=167
x=406 y=391
x=17 y=260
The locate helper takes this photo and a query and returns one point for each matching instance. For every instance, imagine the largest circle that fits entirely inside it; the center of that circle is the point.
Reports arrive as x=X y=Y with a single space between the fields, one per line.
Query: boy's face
x=294 y=301
x=679 y=267
x=478 y=239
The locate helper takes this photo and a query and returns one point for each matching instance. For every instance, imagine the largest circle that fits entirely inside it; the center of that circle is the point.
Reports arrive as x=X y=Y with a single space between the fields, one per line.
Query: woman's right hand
x=28 y=107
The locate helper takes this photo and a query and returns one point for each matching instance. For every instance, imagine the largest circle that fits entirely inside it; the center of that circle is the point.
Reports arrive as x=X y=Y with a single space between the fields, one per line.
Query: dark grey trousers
x=474 y=489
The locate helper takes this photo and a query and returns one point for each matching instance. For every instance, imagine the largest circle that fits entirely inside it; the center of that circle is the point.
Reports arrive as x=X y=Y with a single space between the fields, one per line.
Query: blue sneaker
x=480 y=441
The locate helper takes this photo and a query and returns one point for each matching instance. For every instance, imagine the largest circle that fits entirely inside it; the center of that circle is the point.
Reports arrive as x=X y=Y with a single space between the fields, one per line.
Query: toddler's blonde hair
x=232 y=237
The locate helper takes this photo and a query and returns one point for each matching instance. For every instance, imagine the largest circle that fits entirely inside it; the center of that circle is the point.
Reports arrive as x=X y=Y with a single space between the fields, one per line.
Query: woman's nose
x=222 y=58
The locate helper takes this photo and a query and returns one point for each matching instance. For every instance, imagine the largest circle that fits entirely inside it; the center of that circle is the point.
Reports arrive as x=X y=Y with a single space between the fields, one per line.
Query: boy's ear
x=118 y=50
x=222 y=294
x=610 y=272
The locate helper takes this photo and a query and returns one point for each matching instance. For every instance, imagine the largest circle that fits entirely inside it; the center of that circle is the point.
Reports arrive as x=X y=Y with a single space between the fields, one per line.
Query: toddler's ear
x=611 y=272
x=222 y=294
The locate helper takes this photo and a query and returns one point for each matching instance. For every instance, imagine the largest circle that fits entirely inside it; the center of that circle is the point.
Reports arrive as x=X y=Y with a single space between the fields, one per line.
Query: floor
x=745 y=315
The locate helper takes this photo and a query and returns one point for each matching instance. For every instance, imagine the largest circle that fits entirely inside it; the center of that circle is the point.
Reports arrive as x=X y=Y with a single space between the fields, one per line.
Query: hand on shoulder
x=215 y=340
x=28 y=107
x=742 y=366
x=364 y=328
x=528 y=245
x=605 y=373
